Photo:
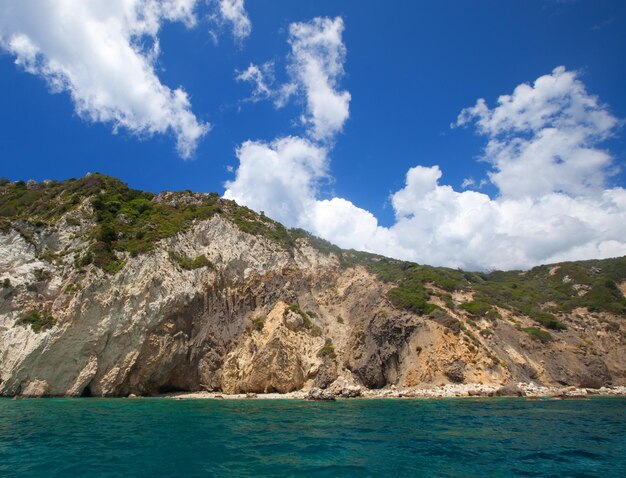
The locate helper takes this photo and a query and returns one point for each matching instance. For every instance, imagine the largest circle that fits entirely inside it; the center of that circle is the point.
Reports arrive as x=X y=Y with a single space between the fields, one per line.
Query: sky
x=482 y=135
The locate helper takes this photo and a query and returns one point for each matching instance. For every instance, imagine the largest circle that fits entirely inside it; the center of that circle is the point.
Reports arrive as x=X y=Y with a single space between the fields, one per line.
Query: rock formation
x=230 y=301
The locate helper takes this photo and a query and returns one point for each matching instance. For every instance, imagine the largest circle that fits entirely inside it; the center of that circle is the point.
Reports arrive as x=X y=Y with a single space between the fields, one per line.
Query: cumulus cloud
x=315 y=66
x=103 y=54
x=439 y=225
x=571 y=214
x=234 y=13
x=280 y=178
x=317 y=59
x=551 y=127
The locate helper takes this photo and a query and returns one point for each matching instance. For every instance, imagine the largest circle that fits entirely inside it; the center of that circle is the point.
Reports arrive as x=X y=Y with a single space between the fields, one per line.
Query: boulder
x=319 y=395
x=477 y=393
x=455 y=371
x=351 y=392
x=293 y=321
x=510 y=390
x=597 y=374
x=327 y=373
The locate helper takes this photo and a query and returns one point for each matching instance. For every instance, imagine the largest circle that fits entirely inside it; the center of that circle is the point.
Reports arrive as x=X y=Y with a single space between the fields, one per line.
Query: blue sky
x=409 y=69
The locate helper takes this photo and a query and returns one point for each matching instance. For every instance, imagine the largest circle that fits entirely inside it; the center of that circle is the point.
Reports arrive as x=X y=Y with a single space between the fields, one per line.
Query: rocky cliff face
x=216 y=305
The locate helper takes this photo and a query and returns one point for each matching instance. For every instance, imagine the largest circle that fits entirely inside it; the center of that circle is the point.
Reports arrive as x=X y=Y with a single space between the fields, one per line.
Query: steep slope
x=105 y=290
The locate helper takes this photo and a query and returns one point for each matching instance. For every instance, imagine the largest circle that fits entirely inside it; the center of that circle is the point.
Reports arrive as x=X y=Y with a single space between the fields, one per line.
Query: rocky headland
x=108 y=291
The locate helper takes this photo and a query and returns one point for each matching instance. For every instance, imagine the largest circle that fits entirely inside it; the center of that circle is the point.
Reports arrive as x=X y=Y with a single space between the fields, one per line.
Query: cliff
x=108 y=291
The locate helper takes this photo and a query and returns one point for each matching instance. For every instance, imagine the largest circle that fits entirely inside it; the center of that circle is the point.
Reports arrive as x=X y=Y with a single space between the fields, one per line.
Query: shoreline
x=522 y=390
x=528 y=391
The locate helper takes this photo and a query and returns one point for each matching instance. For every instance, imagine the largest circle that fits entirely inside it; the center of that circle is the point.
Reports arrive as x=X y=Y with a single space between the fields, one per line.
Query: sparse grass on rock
x=37 y=321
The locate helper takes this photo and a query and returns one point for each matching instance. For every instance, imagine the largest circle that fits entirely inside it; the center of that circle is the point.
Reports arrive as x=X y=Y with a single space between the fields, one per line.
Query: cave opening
x=169 y=388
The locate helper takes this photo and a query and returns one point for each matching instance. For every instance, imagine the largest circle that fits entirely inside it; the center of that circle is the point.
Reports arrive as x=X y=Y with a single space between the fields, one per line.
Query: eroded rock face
x=318 y=395
x=596 y=375
x=455 y=371
x=274 y=359
x=378 y=346
x=327 y=373
x=154 y=327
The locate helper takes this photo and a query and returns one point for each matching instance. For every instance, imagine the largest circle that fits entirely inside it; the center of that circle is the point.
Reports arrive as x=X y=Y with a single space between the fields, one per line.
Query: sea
x=160 y=437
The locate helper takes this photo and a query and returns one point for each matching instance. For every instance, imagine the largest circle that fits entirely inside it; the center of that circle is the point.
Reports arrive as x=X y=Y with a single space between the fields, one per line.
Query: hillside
x=106 y=290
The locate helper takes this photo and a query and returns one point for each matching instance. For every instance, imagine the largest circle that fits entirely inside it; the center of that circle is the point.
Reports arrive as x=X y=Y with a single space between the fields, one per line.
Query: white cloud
x=351 y=227
x=550 y=128
x=280 y=178
x=571 y=215
x=467 y=182
x=234 y=12
x=261 y=77
x=471 y=230
x=315 y=66
x=317 y=58
x=103 y=54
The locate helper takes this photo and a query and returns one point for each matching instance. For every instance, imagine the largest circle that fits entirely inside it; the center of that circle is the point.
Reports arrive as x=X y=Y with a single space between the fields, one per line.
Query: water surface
x=427 y=438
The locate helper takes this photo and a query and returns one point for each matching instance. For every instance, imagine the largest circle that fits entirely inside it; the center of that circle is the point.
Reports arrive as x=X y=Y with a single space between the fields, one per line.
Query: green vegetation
x=414 y=299
x=538 y=293
x=538 y=334
x=328 y=350
x=258 y=324
x=545 y=290
x=6 y=283
x=447 y=321
x=260 y=225
x=190 y=264
x=295 y=308
x=340 y=319
x=549 y=321
x=37 y=321
x=413 y=282
x=132 y=221
x=41 y=275
x=72 y=288
x=480 y=308
x=306 y=319
x=129 y=222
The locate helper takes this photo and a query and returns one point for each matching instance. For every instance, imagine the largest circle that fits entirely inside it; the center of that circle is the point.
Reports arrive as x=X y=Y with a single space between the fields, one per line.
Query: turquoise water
x=463 y=437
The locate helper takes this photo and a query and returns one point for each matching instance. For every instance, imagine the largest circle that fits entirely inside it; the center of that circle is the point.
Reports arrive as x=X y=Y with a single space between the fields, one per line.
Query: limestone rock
x=320 y=395
x=455 y=371
x=351 y=392
x=293 y=321
x=155 y=327
x=327 y=373
x=509 y=390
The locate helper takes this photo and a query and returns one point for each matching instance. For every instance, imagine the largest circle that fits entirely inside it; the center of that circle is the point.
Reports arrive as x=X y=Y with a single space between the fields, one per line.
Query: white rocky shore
x=528 y=390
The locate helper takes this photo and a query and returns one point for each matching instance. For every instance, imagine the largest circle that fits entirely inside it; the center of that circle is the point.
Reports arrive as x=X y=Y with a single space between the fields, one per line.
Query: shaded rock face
x=455 y=371
x=327 y=373
x=377 y=349
x=318 y=395
x=155 y=327
x=596 y=375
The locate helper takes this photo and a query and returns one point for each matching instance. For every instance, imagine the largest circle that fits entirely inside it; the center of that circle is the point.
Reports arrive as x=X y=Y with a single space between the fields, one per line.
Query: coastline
x=529 y=391
x=524 y=390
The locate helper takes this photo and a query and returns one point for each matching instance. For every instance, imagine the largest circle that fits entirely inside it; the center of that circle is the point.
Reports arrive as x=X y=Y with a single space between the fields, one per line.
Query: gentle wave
x=438 y=438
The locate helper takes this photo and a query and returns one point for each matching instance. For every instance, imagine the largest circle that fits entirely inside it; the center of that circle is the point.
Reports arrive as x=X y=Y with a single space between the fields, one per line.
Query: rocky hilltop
x=109 y=291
